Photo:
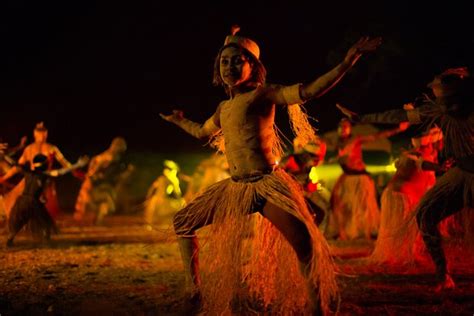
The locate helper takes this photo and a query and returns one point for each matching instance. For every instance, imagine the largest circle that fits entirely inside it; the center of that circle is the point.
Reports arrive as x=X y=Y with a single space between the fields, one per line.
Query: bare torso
x=350 y=153
x=247 y=125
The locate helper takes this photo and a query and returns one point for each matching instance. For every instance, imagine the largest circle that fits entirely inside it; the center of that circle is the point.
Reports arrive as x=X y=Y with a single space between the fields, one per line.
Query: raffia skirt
x=31 y=212
x=355 y=212
x=264 y=264
x=398 y=240
x=400 y=243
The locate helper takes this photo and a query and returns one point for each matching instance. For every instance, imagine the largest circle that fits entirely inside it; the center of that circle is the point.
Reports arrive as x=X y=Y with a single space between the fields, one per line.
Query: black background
x=95 y=70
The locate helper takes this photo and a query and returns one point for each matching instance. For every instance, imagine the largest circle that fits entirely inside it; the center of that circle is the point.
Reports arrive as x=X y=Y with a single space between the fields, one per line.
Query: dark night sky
x=94 y=70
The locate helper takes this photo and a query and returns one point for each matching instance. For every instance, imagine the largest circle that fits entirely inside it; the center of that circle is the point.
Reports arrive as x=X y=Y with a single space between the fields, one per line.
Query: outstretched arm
x=300 y=93
x=384 y=134
x=81 y=162
x=324 y=83
x=408 y=113
x=200 y=131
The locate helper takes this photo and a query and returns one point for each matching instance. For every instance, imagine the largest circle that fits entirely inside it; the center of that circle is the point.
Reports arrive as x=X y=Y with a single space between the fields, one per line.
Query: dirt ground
x=122 y=268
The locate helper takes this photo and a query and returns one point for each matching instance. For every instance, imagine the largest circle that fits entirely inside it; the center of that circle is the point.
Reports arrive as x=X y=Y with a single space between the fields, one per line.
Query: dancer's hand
x=363 y=45
x=351 y=115
x=23 y=141
x=403 y=126
x=82 y=161
x=176 y=116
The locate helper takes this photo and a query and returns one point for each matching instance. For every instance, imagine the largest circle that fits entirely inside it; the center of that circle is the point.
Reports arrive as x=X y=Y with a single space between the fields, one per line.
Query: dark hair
x=454 y=82
x=257 y=77
x=42 y=162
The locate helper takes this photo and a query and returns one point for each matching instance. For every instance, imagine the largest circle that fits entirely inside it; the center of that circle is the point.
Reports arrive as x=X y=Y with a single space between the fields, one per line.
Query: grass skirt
x=355 y=212
x=31 y=212
x=262 y=266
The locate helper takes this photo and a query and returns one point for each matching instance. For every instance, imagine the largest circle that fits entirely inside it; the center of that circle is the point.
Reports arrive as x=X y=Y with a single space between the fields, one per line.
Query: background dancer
x=452 y=109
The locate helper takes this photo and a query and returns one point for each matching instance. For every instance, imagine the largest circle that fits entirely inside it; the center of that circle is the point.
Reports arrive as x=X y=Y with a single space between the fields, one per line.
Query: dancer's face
x=235 y=68
x=344 y=129
x=436 y=88
x=40 y=136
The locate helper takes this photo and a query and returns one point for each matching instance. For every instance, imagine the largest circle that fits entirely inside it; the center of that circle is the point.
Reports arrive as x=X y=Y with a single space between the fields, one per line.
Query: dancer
x=302 y=165
x=246 y=121
x=98 y=191
x=355 y=211
x=399 y=244
x=452 y=109
x=164 y=197
x=207 y=172
x=39 y=146
x=29 y=208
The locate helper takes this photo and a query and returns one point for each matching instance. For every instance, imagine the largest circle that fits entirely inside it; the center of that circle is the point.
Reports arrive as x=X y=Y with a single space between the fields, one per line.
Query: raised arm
x=13 y=151
x=384 y=134
x=200 y=131
x=407 y=113
x=300 y=93
x=324 y=83
x=16 y=167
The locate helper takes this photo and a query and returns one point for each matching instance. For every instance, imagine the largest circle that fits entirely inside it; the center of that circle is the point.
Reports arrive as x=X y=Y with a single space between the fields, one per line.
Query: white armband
x=291 y=94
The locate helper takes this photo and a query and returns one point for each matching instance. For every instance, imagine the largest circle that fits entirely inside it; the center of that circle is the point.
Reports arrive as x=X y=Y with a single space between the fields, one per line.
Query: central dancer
x=286 y=265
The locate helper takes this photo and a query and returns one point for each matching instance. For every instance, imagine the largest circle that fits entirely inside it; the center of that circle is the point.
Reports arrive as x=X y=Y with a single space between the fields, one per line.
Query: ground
x=122 y=268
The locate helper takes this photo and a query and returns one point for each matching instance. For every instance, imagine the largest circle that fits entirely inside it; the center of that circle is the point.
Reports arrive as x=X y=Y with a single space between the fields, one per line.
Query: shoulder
x=26 y=150
x=102 y=157
x=282 y=94
x=106 y=156
x=220 y=105
x=52 y=148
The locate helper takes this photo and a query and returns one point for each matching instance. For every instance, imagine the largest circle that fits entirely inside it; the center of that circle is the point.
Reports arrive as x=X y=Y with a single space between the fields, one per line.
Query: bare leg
x=189 y=249
x=296 y=233
x=435 y=206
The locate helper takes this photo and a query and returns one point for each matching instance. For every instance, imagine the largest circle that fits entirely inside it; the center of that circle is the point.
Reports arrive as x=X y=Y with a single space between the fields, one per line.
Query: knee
x=427 y=224
x=177 y=222
x=181 y=225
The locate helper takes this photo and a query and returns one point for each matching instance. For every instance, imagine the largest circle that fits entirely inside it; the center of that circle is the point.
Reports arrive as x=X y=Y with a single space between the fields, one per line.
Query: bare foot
x=446 y=284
